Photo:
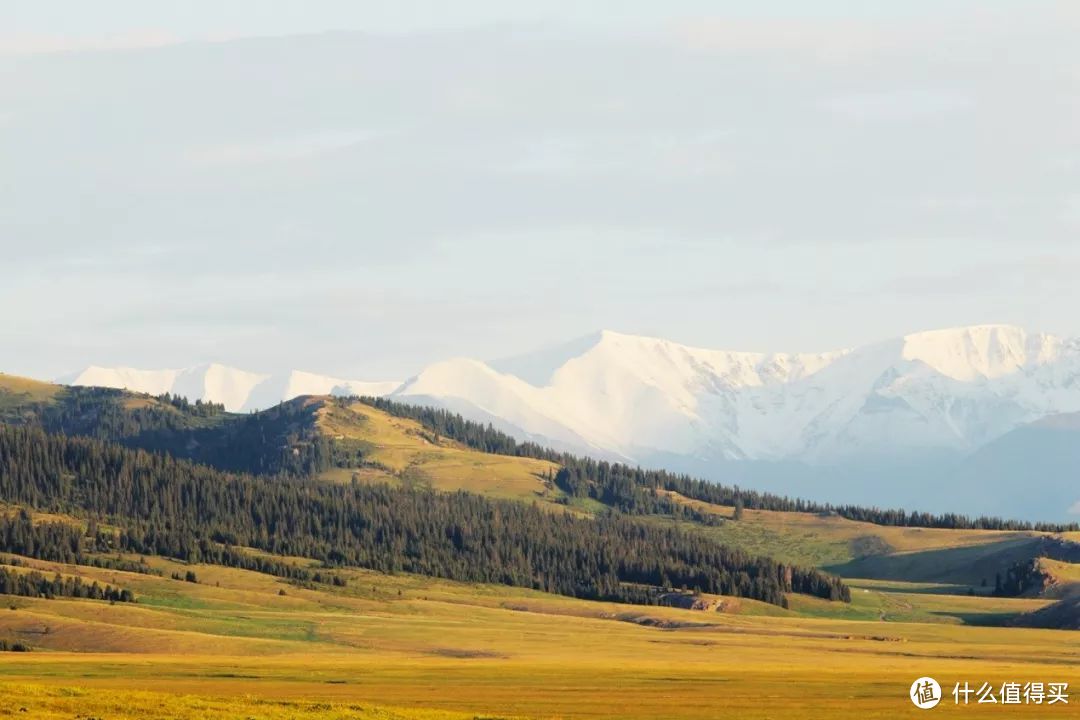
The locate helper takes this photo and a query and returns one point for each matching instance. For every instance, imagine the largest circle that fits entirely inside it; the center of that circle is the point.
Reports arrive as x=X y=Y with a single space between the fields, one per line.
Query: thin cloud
x=301 y=145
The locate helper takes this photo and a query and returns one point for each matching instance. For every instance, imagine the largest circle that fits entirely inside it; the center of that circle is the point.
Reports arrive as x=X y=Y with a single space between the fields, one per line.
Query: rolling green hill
x=340 y=558
x=349 y=442
x=401 y=451
x=282 y=439
x=244 y=645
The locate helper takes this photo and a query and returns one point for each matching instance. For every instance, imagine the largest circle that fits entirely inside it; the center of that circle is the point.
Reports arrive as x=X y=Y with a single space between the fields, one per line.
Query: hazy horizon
x=578 y=342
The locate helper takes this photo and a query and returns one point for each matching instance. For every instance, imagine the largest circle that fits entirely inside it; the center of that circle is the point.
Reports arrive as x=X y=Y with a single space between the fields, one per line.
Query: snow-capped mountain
x=638 y=398
x=948 y=419
x=237 y=390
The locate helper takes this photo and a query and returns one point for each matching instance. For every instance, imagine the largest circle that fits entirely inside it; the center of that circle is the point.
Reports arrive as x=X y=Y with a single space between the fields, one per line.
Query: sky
x=363 y=188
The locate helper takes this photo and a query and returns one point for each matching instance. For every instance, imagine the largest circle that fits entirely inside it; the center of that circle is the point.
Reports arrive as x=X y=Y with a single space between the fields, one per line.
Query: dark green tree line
x=173 y=507
x=35 y=584
x=585 y=477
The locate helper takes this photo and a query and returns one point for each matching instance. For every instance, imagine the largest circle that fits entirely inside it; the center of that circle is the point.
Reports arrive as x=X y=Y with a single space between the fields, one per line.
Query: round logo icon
x=925 y=693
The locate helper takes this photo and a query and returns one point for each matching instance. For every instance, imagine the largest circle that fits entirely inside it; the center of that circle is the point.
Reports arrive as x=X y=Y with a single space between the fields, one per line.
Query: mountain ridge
x=635 y=398
x=949 y=389
x=238 y=390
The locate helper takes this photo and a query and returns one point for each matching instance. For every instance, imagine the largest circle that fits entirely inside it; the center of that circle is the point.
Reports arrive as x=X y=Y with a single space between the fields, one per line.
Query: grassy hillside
x=402 y=451
x=826 y=539
x=282 y=439
x=244 y=645
x=351 y=441
x=241 y=644
x=895 y=601
x=1062 y=578
x=967 y=565
x=18 y=392
x=336 y=440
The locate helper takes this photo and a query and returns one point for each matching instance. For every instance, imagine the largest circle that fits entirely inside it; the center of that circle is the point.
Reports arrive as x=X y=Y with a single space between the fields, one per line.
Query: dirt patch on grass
x=463 y=654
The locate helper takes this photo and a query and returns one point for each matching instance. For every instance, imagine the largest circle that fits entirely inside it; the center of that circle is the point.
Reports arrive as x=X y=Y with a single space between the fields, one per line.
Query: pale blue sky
x=481 y=178
x=198 y=18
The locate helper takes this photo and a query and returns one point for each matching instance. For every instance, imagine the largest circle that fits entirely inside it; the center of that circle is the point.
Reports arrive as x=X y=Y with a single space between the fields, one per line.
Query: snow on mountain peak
x=633 y=397
x=238 y=390
x=983 y=351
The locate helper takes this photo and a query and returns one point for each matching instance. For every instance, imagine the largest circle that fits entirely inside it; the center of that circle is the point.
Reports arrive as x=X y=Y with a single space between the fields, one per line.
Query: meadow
x=401 y=451
x=239 y=644
x=243 y=645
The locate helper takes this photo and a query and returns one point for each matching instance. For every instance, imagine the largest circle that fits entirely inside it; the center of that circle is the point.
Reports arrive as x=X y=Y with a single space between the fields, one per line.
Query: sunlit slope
x=903 y=602
x=20 y=393
x=254 y=612
x=830 y=540
x=393 y=449
x=16 y=392
x=372 y=445
x=23 y=399
x=403 y=451
x=238 y=644
x=1062 y=578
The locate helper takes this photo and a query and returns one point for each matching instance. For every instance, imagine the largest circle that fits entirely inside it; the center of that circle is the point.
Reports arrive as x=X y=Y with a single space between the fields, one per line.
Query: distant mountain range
x=961 y=410
x=237 y=390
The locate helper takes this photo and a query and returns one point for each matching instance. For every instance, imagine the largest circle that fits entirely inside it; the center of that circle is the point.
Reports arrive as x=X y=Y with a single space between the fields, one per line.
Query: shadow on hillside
x=957 y=566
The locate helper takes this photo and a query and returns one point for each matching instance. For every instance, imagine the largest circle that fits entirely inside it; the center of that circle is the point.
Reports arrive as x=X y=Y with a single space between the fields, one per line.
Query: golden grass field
x=402 y=646
x=814 y=539
x=16 y=391
x=1064 y=577
x=243 y=645
x=409 y=452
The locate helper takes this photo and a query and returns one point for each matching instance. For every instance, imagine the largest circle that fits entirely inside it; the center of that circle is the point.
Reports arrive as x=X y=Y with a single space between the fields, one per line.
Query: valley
x=539 y=360
x=311 y=636
x=246 y=645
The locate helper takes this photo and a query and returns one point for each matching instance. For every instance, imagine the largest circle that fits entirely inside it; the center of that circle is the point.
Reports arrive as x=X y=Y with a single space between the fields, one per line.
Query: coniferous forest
x=279 y=440
x=34 y=584
x=283 y=441
x=632 y=488
x=173 y=507
x=190 y=481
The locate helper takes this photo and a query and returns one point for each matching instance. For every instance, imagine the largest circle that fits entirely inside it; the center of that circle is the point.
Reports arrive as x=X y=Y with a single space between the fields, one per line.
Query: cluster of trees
x=280 y=440
x=199 y=408
x=620 y=492
x=284 y=440
x=617 y=484
x=1019 y=578
x=63 y=543
x=53 y=541
x=1026 y=576
x=34 y=584
x=13 y=646
x=154 y=539
x=109 y=414
x=173 y=507
x=69 y=544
